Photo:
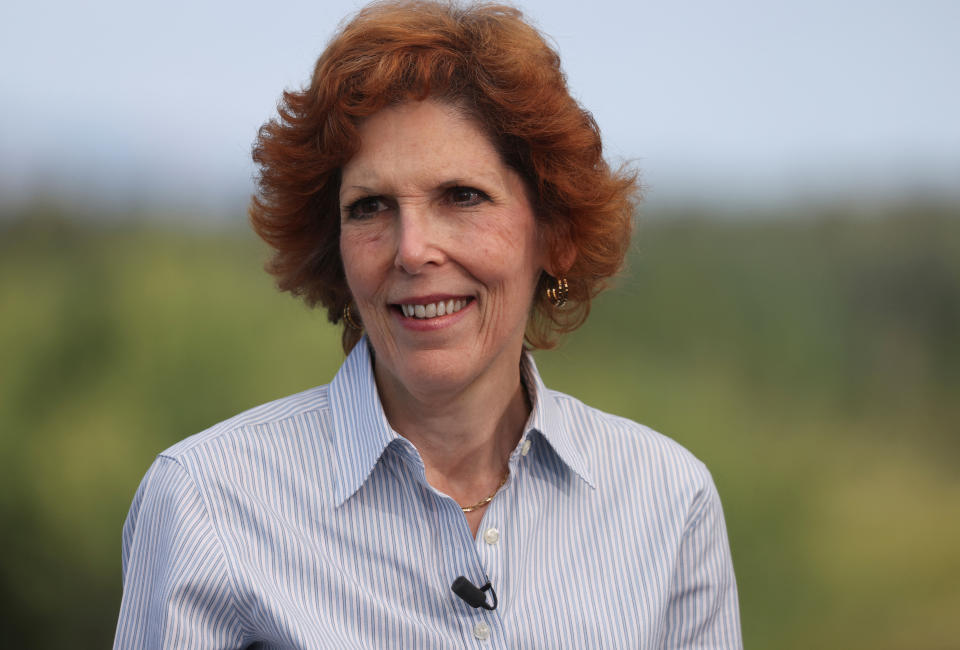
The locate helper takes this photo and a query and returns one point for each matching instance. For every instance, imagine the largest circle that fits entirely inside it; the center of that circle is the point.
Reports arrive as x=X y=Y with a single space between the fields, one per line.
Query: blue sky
x=128 y=103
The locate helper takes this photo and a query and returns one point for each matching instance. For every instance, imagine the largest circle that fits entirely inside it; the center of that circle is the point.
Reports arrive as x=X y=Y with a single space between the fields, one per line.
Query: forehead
x=423 y=142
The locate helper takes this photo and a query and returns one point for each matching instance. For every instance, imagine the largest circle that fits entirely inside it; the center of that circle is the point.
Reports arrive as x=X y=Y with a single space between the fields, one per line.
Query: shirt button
x=482 y=631
x=525 y=448
x=491 y=536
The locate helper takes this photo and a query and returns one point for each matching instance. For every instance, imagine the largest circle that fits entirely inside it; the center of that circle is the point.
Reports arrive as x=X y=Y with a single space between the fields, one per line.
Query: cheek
x=362 y=253
x=508 y=248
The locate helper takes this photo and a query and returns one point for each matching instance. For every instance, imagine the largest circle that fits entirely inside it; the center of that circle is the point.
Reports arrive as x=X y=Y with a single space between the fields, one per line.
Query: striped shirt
x=309 y=523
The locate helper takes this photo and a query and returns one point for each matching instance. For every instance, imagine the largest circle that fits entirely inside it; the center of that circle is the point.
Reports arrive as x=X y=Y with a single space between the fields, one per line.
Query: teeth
x=433 y=309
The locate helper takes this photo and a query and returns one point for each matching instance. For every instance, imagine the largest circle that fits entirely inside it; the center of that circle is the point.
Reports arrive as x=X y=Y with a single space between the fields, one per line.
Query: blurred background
x=791 y=310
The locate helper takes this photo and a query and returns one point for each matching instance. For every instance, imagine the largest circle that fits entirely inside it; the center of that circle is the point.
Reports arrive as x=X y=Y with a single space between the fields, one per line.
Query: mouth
x=419 y=309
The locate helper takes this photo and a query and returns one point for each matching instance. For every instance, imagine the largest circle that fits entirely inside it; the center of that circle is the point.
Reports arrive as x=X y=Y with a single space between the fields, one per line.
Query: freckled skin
x=412 y=235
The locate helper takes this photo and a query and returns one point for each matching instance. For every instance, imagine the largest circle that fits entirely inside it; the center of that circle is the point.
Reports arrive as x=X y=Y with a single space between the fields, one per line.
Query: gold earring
x=557 y=294
x=348 y=318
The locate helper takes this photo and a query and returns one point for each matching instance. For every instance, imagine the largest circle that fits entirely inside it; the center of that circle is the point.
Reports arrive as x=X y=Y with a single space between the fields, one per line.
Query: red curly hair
x=486 y=59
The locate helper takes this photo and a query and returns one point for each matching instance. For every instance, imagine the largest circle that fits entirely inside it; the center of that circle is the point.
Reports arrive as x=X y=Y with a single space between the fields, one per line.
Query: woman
x=435 y=188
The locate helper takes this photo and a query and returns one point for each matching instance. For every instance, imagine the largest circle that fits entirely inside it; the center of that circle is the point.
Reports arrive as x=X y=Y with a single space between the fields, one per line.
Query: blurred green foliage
x=812 y=363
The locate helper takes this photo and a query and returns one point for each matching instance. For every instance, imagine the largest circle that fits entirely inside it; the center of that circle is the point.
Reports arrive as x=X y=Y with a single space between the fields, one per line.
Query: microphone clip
x=472 y=595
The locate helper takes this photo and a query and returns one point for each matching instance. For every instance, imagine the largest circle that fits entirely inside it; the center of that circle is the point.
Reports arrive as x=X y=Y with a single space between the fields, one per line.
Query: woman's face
x=440 y=250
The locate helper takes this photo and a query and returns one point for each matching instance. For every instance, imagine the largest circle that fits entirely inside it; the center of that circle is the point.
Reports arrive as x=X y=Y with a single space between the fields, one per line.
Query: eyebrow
x=493 y=182
x=362 y=188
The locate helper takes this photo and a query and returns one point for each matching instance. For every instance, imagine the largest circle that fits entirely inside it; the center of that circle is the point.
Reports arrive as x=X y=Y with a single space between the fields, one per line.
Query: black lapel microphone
x=472 y=595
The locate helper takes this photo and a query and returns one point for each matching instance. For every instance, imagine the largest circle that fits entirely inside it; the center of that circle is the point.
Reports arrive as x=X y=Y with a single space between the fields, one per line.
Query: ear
x=561 y=258
x=557 y=250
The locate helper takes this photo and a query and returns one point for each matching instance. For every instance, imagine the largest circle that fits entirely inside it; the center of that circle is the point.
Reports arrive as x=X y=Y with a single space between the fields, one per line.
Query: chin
x=438 y=371
x=426 y=373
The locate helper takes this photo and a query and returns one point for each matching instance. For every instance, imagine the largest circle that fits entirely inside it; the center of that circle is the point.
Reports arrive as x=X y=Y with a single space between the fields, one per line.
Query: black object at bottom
x=472 y=595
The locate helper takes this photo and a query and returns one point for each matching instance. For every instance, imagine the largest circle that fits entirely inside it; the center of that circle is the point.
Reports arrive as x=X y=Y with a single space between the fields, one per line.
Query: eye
x=366 y=207
x=466 y=196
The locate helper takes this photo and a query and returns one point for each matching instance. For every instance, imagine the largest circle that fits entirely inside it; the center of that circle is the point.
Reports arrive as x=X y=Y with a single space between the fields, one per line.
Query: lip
x=435 y=323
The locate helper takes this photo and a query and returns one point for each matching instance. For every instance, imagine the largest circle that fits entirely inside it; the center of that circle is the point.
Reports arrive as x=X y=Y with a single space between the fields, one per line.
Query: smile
x=434 y=309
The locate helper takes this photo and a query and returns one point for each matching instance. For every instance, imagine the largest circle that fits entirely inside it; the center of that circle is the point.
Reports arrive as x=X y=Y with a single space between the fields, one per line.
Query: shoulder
x=627 y=451
x=286 y=444
x=254 y=459
x=271 y=418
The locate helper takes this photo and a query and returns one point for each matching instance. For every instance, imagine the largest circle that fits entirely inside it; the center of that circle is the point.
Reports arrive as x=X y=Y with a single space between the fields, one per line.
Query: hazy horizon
x=153 y=108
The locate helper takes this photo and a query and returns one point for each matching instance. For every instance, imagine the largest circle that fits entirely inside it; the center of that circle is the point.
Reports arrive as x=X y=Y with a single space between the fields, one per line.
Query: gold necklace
x=480 y=504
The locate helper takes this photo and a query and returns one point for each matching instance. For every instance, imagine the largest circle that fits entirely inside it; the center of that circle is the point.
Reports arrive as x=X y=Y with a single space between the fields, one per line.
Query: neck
x=463 y=437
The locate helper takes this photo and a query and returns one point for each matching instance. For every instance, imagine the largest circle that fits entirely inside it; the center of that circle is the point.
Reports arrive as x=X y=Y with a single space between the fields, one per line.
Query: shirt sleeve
x=176 y=582
x=703 y=612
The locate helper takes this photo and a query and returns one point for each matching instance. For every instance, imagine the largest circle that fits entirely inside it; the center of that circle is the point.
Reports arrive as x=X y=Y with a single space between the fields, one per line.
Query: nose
x=417 y=241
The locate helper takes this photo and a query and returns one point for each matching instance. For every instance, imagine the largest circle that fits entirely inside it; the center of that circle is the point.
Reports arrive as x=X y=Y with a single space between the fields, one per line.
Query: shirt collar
x=547 y=419
x=362 y=431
